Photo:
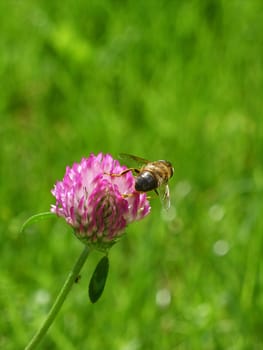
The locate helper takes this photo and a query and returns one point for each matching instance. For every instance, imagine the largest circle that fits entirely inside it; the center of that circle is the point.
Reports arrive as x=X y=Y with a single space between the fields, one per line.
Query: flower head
x=97 y=203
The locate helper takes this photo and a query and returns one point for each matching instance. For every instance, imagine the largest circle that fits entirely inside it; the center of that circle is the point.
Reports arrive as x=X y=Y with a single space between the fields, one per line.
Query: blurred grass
x=181 y=81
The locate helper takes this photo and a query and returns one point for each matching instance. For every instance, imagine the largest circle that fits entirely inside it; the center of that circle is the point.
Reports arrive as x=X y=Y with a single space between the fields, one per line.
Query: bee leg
x=124 y=172
x=127 y=195
x=153 y=195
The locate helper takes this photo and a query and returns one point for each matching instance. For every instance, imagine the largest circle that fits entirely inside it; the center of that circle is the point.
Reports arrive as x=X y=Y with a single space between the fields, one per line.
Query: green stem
x=60 y=300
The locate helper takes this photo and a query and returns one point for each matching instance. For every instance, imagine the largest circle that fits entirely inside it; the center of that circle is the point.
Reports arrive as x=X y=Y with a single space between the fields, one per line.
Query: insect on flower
x=93 y=203
x=151 y=176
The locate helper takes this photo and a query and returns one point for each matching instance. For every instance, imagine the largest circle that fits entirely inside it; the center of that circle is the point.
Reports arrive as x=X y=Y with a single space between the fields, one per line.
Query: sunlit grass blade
x=36 y=218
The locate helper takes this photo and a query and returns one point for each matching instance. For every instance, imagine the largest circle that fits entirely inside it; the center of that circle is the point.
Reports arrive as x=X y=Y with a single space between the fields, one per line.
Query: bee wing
x=164 y=194
x=134 y=160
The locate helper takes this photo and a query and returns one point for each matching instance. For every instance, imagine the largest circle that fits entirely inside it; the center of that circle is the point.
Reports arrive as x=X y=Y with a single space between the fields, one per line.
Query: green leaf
x=98 y=279
x=36 y=218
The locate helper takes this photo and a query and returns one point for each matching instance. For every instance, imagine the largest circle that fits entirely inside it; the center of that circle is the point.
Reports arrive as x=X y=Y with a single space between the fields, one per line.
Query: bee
x=151 y=176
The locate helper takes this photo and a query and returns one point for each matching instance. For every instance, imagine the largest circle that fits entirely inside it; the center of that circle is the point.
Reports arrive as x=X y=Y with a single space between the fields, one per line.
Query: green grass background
x=176 y=80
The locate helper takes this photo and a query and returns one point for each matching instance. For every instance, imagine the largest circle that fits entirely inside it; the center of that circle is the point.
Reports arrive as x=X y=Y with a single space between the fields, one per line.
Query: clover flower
x=97 y=204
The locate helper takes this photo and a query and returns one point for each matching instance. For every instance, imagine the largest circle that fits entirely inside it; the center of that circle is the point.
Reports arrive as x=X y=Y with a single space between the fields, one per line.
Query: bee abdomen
x=146 y=182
